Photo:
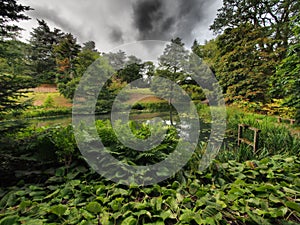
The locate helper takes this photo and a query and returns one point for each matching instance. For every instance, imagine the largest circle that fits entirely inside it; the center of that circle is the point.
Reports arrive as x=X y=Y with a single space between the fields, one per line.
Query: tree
x=255 y=40
x=288 y=72
x=11 y=12
x=208 y=52
x=66 y=52
x=43 y=62
x=243 y=68
x=13 y=65
x=117 y=60
x=12 y=88
x=90 y=45
x=172 y=63
x=273 y=15
x=14 y=79
x=131 y=70
x=83 y=60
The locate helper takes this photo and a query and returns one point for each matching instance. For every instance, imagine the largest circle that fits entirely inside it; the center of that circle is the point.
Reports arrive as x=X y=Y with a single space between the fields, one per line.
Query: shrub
x=49 y=102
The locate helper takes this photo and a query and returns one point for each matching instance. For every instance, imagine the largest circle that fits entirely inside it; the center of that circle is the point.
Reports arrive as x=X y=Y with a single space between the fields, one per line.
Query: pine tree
x=13 y=80
x=11 y=12
x=41 y=55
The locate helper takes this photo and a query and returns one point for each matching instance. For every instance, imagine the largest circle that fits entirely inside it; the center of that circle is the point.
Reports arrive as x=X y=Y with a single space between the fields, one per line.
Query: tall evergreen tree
x=13 y=79
x=41 y=55
x=66 y=52
x=11 y=12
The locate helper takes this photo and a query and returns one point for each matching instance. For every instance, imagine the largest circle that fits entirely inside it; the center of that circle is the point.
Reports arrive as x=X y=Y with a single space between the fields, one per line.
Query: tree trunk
x=170 y=105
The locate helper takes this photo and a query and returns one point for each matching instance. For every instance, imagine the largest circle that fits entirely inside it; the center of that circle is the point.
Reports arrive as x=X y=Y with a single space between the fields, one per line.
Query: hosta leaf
x=32 y=221
x=258 y=219
x=274 y=198
x=142 y=212
x=24 y=204
x=291 y=191
x=156 y=203
x=52 y=194
x=187 y=216
x=129 y=221
x=293 y=205
x=58 y=210
x=278 y=212
x=209 y=211
x=9 y=220
x=165 y=214
x=179 y=197
x=74 y=182
x=87 y=215
x=20 y=193
x=93 y=207
x=120 y=191
x=172 y=203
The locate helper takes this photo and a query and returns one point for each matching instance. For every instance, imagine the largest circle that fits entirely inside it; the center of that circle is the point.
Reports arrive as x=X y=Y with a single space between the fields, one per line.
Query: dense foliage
x=288 y=72
x=13 y=70
x=46 y=180
x=11 y=12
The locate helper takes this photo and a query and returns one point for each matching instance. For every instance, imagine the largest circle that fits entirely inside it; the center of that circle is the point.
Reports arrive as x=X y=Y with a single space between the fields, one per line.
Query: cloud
x=163 y=20
x=52 y=16
x=113 y=22
x=116 y=35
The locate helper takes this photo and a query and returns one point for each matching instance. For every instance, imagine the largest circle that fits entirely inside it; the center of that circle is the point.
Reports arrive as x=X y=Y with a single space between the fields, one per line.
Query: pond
x=140 y=117
x=66 y=120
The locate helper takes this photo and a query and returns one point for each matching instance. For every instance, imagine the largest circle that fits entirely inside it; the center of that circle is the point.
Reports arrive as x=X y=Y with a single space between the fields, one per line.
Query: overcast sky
x=111 y=23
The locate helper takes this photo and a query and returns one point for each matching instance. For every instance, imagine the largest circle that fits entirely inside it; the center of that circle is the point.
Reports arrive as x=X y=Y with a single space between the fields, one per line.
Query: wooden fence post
x=254 y=144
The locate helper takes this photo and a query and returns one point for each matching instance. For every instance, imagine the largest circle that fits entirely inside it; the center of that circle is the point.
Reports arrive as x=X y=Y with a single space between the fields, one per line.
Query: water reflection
x=139 y=117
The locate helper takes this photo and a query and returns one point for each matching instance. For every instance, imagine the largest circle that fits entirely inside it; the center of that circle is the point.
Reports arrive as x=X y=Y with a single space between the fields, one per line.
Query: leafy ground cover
x=254 y=192
x=239 y=187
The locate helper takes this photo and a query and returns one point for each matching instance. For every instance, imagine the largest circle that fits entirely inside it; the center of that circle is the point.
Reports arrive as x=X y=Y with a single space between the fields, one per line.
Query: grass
x=144 y=94
x=40 y=97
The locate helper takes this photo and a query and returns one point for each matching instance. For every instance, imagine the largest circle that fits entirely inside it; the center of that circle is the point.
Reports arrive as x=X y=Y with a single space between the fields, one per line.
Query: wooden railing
x=280 y=120
x=241 y=129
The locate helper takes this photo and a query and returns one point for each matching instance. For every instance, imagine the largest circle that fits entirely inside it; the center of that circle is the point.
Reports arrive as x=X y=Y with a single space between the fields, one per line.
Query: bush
x=49 y=102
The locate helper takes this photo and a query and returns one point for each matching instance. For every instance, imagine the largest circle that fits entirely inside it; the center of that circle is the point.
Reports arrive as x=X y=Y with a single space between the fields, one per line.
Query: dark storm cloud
x=163 y=19
x=148 y=16
x=145 y=12
x=116 y=35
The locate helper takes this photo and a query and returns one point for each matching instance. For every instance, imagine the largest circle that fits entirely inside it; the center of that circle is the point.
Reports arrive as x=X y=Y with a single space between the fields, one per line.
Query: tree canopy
x=11 y=12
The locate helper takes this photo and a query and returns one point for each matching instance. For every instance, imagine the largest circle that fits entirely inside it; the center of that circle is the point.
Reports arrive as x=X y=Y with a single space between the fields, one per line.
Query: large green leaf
x=94 y=207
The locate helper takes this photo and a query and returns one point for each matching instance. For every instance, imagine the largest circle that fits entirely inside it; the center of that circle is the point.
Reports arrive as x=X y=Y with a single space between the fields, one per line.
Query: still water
x=66 y=120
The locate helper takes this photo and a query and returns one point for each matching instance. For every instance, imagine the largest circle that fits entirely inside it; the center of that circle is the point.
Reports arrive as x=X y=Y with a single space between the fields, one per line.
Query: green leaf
x=165 y=214
x=58 y=210
x=274 y=198
x=87 y=215
x=293 y=205
x=291 y=191
x=142 y=212
x=9 y=220
x=129 y=221
x=52 y=194
x=32 y=221
x=187 y=216
x=258 y=219
x=94 y=207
